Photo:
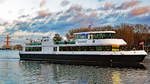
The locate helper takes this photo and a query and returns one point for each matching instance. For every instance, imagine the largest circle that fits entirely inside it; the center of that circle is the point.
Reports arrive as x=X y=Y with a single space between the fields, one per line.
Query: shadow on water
x=101 y=65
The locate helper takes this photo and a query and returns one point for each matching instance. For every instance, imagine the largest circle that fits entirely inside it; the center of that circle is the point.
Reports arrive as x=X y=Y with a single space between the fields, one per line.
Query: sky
x=47 y=17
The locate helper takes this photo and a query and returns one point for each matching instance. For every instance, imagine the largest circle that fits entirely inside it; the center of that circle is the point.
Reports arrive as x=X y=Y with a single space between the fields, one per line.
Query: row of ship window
x=79 y=48
x=89 y=48
x=33 y=49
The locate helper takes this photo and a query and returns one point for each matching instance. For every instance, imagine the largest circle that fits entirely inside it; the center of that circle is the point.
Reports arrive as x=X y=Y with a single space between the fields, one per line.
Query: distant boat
x=98 y=47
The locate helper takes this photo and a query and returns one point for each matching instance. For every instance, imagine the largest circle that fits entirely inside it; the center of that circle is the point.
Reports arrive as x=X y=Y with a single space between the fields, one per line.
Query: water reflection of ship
x=66 y=74
x=116 y=78
x=71 y=74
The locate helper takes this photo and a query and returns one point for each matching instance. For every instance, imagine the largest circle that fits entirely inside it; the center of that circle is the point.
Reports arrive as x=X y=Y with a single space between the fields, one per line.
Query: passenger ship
x=87 y=47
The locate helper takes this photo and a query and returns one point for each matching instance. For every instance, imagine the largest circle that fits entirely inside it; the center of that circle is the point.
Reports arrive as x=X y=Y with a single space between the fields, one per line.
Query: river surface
x=14 y=71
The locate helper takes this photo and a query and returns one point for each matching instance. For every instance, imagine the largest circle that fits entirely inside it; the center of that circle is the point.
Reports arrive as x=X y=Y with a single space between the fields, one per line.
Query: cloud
x=64 y=17
x=128 y=4
x=139 y=20
x=108 y=5
x=64 y=3
x=76 y=8
x=24 y=35
x=23 y=16
x=84 y=19
x=93 y=14
x=27 y=33
x=17 y=21
x=43 y=13
x=43 y=2
x=140 y=10
x=3 y=22
x=76 y=16
x=2 y=29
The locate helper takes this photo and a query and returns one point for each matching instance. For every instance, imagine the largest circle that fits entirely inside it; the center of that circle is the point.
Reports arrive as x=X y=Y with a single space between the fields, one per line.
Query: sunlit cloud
x=43 y=13
x=108 y=5
x=17 y=21
x=140 y=10
x=128 y=4
x=42 y=3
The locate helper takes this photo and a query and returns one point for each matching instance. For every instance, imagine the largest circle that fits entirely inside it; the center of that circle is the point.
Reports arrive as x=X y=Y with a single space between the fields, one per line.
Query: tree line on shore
x=12 y=47
x=133 y=34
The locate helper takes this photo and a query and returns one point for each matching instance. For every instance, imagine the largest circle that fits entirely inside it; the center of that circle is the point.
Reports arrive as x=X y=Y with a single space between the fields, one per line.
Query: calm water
x=14 y=71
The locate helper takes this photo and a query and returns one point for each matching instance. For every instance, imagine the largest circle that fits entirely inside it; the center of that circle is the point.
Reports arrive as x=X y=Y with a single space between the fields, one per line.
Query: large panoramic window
x=30 y=49
x=82 y=36
x=103 y=35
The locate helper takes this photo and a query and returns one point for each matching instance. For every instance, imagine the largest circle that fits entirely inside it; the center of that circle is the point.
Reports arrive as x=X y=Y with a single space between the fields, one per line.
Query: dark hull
x=84 y=59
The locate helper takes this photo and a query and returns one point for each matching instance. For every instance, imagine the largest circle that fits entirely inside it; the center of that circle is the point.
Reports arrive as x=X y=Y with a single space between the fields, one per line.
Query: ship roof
x=92 y=32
